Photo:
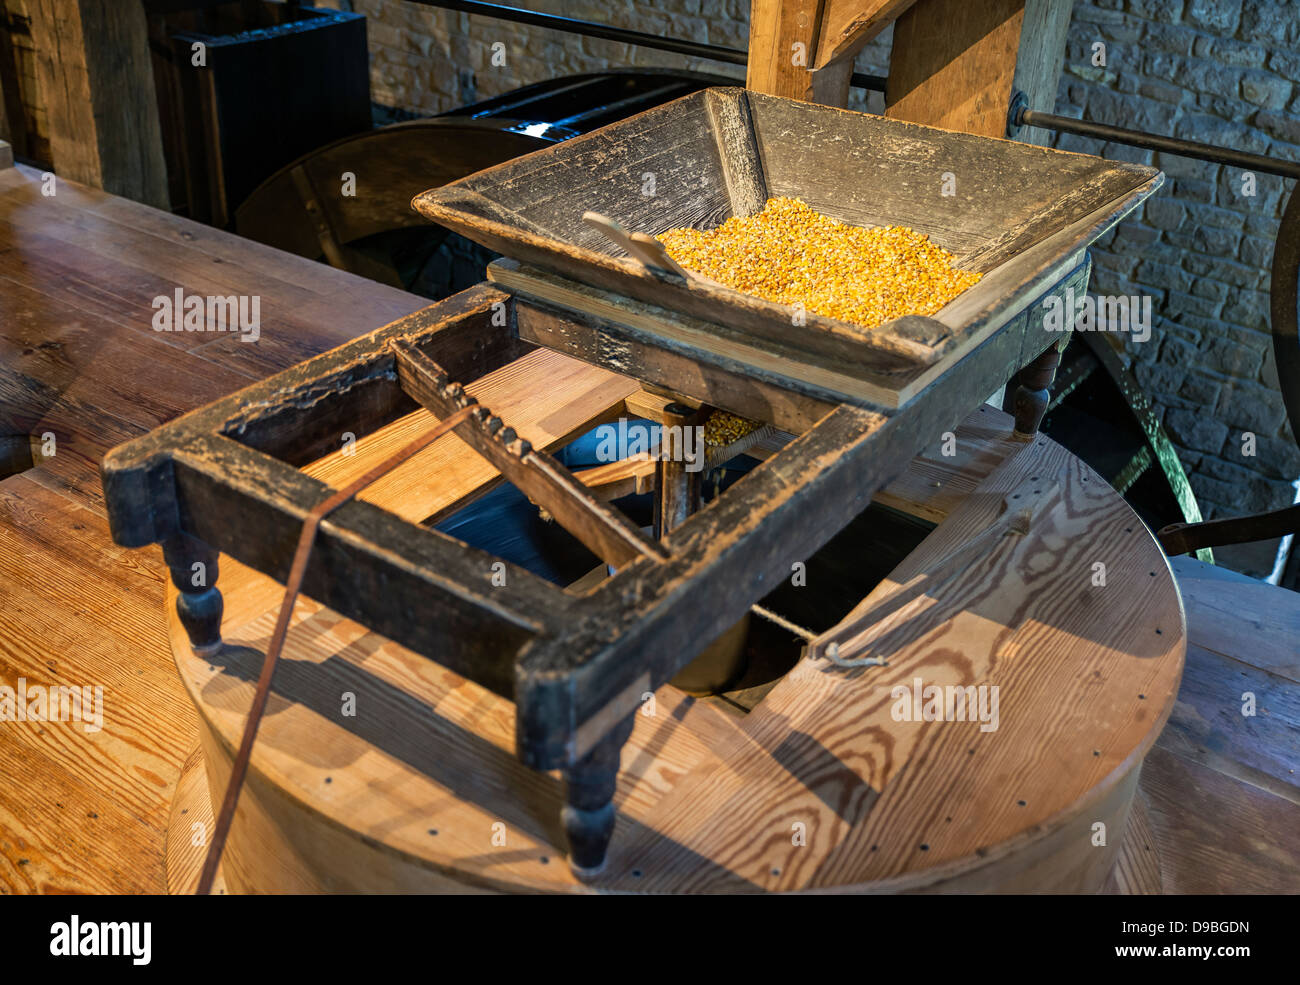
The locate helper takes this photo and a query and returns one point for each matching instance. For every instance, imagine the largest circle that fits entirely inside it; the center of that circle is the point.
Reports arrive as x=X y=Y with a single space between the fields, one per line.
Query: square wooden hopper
x=1021 y=215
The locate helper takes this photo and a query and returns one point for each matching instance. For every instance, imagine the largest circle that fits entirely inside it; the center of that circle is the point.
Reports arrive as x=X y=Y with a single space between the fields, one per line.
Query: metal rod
x=1168 y=145
x=591 y=29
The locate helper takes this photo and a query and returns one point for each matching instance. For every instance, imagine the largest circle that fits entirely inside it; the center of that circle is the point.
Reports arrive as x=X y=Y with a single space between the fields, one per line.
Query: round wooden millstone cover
x=375 y=769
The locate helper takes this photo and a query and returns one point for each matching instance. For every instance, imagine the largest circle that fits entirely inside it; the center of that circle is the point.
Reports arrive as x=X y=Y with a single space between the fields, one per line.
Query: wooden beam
x=604 y=530
x=96 y=81
x=847 y=26
x=804 y=49
x=955 y=64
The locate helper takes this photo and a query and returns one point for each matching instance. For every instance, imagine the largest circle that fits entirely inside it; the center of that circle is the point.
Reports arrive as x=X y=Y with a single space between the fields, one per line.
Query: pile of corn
x=791 y=254
x=722 y=428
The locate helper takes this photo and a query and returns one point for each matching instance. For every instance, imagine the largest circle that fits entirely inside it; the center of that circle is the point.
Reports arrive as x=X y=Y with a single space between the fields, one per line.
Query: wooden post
x=677 y=481
x=588 y=813
x=956 y=63
x=96 y=81
x=804 y=49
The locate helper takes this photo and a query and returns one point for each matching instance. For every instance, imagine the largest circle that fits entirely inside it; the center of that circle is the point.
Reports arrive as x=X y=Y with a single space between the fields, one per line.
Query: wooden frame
x=225 y=479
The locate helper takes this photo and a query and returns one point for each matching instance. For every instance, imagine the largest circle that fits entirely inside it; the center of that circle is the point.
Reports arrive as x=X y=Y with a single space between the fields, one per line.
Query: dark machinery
x=318 y=207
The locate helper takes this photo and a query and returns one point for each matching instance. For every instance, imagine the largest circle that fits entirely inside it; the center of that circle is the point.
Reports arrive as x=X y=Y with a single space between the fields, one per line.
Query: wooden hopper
x=1021 y=215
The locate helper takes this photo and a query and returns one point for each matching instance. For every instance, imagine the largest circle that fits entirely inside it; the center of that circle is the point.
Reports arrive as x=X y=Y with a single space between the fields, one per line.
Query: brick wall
x=1212 y=70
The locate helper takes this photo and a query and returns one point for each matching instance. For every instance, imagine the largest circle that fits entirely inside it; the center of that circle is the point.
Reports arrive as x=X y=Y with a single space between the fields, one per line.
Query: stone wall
x=1212 y=70
x=1227 y=73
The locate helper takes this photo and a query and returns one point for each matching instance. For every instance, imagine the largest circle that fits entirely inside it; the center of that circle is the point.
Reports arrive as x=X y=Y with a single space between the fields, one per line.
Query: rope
x=832 y=652
x=291 y=588
x=784 y=623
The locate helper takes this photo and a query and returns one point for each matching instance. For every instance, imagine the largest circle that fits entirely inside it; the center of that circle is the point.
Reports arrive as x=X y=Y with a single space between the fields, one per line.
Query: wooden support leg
x=677 y=481
x=589 y=803
x=1029 y=391
x=193 y=565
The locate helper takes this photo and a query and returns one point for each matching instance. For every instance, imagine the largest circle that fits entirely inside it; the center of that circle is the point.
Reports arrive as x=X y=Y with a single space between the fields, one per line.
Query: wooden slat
x=1137 y=870
x=84 y=811
x=935 y=484
x=847 y=25
x=1210 y=724
x=1247 y=620
x=547 y=397
x=955 y=64
x=603 y=529
x=1039 y=59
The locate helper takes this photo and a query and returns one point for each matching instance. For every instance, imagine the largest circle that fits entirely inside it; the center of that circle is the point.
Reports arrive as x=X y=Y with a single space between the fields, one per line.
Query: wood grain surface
x=707 y=803
x=87 y=812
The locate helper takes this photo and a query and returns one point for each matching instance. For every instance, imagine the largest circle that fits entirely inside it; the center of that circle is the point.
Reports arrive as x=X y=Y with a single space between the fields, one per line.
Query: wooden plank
x=847 y=26
x=188 y=830
x=1237 y=719
x=956 y=64
x=935 y=483
x=547 y=397
x=1249 y=621
x=952 y=64
x=804 y=49
x=1137 y=870
x=476 y=611
x=1040 y=58
x=782 y=47
x=84 y=811
x=97 y=82
x=1217 y=834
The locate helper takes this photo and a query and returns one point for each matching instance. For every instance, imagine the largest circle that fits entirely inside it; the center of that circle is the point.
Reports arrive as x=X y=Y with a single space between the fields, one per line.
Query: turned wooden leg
x=193 y=565
x=1029 y=391
x=588 y=814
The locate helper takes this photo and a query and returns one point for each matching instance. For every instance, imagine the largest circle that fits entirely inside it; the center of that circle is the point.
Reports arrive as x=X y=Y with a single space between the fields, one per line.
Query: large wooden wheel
x=377 y=770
